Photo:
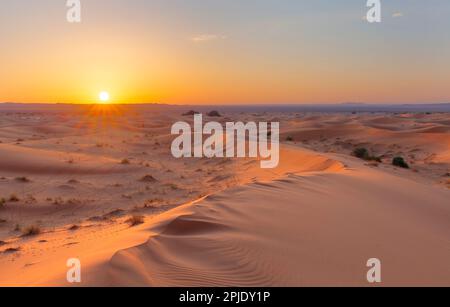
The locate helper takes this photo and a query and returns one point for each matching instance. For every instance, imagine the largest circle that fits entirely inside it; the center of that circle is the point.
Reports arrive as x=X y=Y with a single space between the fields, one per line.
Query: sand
x=314 y=220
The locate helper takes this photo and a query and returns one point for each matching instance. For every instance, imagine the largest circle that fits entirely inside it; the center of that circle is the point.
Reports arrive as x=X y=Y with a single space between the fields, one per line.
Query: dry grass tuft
x=23 y=179
x=14 y=198
x=135 y=220
x=11 y=250
x=32 y=230
x=148 y=178
x=125 y=162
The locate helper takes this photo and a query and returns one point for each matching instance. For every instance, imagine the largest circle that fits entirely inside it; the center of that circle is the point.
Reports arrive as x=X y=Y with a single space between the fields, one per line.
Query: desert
x=99 y=183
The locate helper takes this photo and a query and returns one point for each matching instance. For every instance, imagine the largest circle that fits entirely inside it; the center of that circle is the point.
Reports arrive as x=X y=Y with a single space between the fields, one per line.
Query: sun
x=103 y=96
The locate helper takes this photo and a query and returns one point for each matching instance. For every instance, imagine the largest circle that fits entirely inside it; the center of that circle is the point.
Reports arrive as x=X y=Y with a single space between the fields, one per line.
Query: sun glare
x=104 y=97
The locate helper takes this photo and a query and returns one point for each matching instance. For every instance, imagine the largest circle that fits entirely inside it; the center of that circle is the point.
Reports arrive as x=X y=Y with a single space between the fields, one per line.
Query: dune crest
x=301 y=230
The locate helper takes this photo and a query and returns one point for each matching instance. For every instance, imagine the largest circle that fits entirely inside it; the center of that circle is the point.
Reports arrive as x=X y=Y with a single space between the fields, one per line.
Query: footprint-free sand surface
x=79 y=174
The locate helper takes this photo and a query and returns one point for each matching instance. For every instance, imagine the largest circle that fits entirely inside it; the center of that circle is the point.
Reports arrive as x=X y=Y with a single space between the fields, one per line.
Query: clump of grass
x=364 y=154
x=214 y=114
x=400 y=162
x=2 y=202
x=150 y=203
x=173 y=186
x=361 y=153
x=23 y=179
x=135 y=220
x=30 y=200
x=125 y=162
x=14 y=198
x=148 y=178
x=74 y=227
x=11 y=250
x=31 y=231
x=58 y=201
x=191 y=113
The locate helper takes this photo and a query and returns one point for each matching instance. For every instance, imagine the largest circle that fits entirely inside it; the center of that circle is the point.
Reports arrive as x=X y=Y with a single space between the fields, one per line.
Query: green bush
x=361 y=153
x=400 y=162
x=364 y=154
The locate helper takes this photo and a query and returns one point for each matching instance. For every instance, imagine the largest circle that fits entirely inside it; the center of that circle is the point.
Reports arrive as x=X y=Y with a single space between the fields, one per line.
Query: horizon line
x=236 y=104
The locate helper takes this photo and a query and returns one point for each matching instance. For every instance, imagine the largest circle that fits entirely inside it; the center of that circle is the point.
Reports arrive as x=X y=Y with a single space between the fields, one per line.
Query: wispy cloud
x=201 y=38
x=397 y=15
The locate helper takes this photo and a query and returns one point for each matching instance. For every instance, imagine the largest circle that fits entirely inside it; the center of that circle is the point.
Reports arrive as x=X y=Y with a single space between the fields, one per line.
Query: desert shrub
x=361 y=153
x=191 y=113
x=58 y=201
x=125 y=162
x=2 y=202
x=31 y=231
x=11 y=250
x=74 y=227
x=173 y=186
x=400 y=162
x=14 y=198
x=290 y=139
x=148 y=178
x=214 y=114
x=23 y=179
x=364 y=154
x=135 y=220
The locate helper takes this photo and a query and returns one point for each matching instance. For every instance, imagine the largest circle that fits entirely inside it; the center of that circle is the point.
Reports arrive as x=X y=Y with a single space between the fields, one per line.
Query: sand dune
x=309 y=228
x=316 y=229
x=314 y=220
x=38 y=161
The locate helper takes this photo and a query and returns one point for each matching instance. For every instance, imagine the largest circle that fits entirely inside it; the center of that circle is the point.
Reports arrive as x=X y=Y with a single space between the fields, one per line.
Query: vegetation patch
x=364 y=154
x=31 y=231
x=135 y=220
x=400 y=162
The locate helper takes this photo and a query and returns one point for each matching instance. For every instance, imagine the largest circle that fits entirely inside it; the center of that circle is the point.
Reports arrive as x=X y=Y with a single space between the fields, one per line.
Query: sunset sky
x=225 y=51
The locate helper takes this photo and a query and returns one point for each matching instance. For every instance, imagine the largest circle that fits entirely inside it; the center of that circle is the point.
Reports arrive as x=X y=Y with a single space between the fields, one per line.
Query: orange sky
x=203 y=52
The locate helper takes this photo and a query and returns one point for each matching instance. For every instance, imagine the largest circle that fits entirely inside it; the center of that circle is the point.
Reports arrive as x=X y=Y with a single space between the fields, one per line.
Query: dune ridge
x=317 y=228
x=311 y=229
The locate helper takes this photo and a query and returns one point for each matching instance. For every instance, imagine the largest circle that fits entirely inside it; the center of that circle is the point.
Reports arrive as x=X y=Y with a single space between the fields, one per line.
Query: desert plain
x=98 y=183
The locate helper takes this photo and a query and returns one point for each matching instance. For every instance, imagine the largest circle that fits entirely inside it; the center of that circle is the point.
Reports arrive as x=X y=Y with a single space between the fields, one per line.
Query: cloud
x=201 y=38
x=397 y=14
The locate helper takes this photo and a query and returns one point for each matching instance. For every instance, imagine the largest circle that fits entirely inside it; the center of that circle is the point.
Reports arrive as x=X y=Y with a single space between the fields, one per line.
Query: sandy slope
x=311 y=228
